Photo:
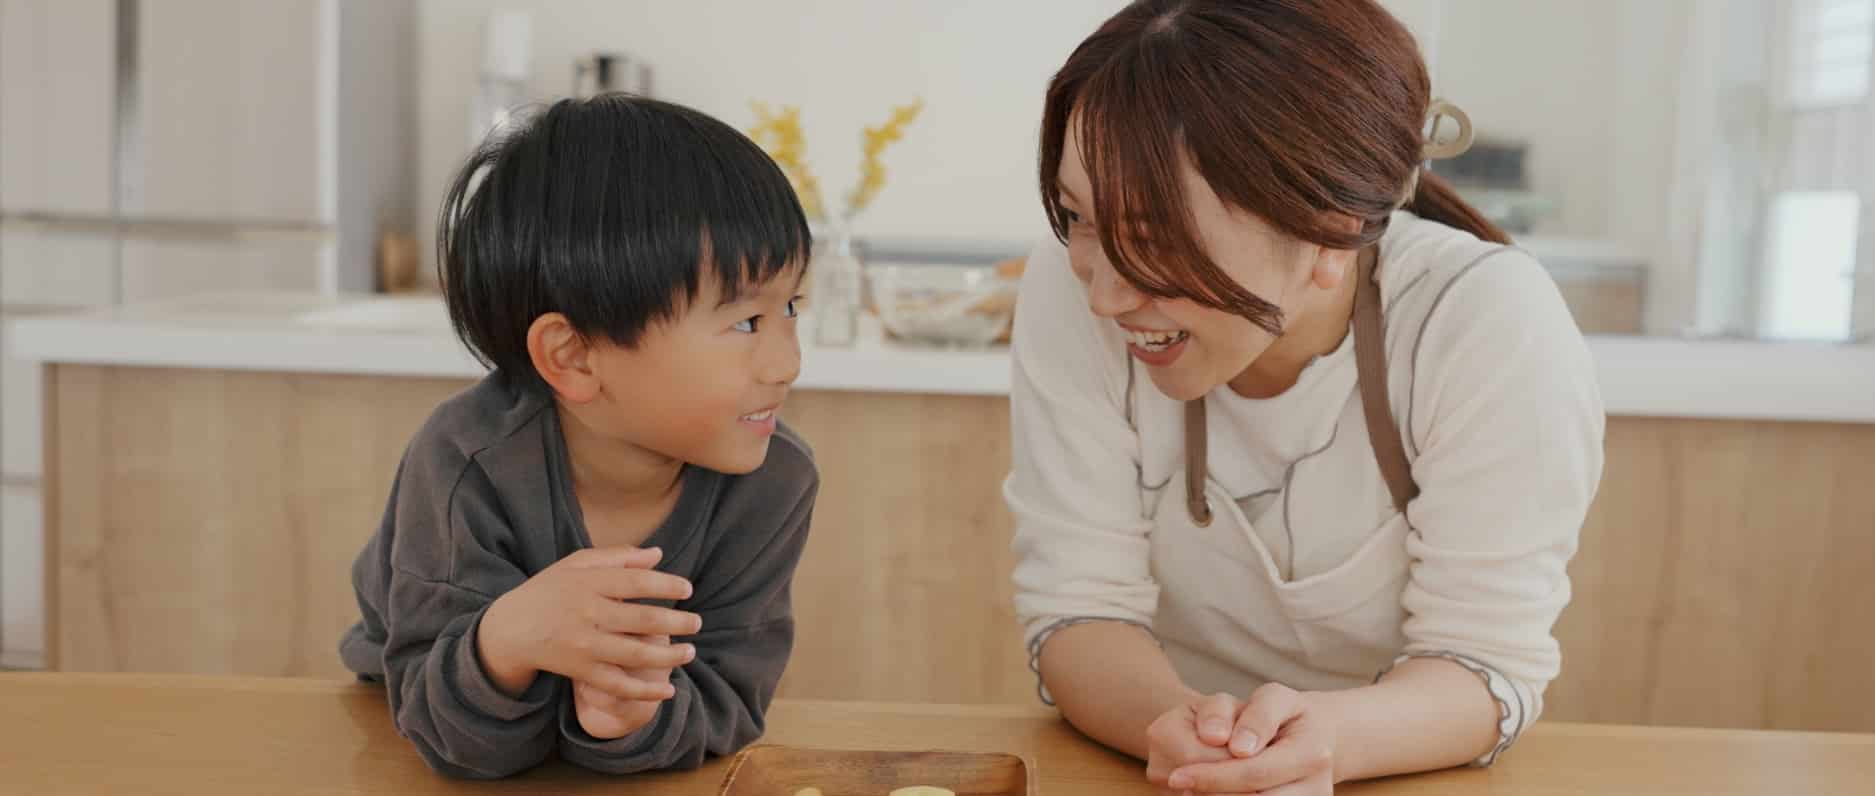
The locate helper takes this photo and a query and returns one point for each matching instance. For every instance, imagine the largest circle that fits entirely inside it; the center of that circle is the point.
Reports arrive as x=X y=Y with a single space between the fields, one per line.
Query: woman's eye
x=747 y=325
x=1070 y=217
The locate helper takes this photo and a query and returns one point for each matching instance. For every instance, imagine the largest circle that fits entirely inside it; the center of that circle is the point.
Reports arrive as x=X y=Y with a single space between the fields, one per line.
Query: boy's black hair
x=607 y=210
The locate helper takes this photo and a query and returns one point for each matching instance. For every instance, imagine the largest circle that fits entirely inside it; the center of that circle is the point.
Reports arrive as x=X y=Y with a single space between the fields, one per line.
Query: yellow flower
x=873 y=143
x=780 y=134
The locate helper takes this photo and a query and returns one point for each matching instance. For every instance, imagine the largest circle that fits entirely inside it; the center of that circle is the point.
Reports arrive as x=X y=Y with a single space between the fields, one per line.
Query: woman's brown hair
x=1294 y=110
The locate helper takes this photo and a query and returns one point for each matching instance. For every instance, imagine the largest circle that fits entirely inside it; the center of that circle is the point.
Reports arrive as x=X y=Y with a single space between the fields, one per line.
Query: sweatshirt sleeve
x=1081 y=538
x=742 y=650
x=1508 y=423
x=423 y=584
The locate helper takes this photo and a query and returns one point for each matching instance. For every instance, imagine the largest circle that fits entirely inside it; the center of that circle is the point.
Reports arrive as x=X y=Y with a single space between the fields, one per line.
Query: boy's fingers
x=644 y=620
x=614 y=682
x=632 y=653
x=594 y=698
x=635 y=557
x=639 y=584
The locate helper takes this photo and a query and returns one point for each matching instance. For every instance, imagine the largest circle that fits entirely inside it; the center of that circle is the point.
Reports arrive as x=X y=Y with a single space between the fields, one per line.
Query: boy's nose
x=780 y=363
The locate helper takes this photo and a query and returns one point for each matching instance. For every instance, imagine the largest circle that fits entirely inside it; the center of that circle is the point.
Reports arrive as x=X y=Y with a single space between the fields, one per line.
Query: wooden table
x=171 y=734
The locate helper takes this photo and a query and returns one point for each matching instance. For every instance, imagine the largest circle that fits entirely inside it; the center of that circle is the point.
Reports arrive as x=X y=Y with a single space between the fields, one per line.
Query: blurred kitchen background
x=203 y=405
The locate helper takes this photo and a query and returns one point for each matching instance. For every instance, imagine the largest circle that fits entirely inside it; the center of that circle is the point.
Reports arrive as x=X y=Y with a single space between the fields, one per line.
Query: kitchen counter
x=153 y=734
x=409 y=336
x=213 y=466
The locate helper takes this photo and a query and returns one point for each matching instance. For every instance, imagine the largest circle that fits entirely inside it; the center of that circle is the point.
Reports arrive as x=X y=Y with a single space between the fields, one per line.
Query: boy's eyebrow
x=800 y=278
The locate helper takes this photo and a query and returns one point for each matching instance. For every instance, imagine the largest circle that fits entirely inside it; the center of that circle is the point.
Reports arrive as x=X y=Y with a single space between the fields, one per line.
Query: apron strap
x=1370 y=363
x=1195 y=472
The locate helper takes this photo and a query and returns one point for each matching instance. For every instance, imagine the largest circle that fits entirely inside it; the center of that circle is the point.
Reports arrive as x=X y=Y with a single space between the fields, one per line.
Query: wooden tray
x=771 y=770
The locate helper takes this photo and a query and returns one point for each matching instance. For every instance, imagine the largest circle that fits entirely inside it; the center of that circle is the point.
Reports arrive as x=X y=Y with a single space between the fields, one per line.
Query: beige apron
x=1244 y=624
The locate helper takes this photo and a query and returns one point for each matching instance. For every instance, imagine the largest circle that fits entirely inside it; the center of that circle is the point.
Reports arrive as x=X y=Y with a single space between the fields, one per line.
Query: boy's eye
x=794 y=311
x=747 y=325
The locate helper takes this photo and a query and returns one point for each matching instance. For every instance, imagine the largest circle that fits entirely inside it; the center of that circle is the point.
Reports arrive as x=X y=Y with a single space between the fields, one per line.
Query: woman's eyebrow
x=1063 y=189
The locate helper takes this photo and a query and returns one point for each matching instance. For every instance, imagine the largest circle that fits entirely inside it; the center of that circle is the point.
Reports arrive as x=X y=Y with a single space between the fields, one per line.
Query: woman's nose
x=1108 y=294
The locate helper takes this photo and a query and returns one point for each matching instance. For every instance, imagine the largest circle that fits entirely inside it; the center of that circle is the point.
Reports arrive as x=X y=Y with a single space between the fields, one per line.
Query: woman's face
x=1188 y=348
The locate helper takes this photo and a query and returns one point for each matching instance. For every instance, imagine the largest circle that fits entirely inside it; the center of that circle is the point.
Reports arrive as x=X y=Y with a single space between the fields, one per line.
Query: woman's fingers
x=1173 y=741
x=1217 y=713
x=1295 y=757
x=1268 y=709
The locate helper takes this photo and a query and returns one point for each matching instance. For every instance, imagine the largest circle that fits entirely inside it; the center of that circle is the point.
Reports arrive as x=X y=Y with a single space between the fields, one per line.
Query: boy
x=589 y=552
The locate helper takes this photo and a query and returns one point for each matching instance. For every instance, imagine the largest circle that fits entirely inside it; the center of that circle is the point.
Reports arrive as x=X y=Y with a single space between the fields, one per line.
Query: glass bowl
x=946 y=305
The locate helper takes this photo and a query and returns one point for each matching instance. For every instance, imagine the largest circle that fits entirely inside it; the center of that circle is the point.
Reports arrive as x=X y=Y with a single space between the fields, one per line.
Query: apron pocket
x=1350 y=618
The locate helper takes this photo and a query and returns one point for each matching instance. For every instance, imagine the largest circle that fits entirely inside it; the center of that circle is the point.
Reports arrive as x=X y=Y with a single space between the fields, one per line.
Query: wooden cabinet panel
x=205 y=521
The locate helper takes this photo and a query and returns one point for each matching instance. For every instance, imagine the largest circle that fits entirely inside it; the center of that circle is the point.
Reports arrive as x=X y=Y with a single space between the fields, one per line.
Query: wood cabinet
x=205 y=521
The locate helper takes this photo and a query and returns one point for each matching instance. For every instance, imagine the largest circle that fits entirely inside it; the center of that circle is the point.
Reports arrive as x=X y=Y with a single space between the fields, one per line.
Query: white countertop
x=410 y=336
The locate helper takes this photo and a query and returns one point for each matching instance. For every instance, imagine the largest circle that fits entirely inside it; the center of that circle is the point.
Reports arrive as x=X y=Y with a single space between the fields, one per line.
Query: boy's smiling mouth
x=763 y=420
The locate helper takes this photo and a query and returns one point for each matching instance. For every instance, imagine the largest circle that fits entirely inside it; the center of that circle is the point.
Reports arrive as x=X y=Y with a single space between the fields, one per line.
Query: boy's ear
x=562 y=356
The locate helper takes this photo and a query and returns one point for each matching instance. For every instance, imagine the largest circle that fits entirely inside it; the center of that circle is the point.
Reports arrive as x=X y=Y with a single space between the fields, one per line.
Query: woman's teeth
x=1155 y=341
x=758 y=417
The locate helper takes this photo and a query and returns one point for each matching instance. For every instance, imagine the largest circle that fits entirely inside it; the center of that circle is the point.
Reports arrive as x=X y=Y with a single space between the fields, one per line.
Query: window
x=1823 y=177
x=1827 y=61
x=1807 y=294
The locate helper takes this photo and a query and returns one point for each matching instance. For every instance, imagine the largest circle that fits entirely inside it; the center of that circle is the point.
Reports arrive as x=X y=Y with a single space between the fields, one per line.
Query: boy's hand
x=606 y=717
x=571 y=619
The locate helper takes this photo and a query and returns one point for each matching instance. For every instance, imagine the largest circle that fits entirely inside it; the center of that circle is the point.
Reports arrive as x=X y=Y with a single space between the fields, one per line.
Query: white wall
x=1588 y=84
x=966 y=168
x=1593 y=88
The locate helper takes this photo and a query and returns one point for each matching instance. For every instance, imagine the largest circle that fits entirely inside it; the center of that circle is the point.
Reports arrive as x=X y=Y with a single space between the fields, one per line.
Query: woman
x=1293 y=427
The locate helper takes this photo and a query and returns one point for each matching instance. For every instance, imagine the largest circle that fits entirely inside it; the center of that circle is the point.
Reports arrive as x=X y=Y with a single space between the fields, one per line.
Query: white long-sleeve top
x=1309 y=576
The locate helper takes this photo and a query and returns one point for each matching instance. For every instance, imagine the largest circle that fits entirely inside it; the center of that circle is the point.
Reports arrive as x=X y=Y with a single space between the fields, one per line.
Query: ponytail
x=1435 y=200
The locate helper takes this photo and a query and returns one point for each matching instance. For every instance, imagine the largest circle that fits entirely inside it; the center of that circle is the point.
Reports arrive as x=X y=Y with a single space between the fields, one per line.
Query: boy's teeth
x=760 y=416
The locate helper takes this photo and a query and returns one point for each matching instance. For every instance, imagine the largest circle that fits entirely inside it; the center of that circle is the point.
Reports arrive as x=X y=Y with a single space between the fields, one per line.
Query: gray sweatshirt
x=482 y=501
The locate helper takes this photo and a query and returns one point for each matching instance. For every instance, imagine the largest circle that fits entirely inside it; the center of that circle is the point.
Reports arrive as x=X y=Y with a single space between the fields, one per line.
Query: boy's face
x=707 y=387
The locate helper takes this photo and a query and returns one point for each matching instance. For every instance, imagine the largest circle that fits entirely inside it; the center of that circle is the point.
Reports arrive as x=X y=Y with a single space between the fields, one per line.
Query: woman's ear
x=1331 y=266
x=563 y=358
